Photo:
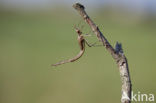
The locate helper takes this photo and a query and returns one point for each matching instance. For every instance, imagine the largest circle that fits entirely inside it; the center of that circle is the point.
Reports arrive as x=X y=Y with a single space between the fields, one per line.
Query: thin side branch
x=116 y=53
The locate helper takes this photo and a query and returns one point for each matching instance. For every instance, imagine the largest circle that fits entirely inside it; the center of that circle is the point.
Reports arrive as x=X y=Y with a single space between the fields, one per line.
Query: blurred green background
x=34 y=37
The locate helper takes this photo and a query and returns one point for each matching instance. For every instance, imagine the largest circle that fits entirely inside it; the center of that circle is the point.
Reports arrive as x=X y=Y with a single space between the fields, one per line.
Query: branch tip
x=78 y=6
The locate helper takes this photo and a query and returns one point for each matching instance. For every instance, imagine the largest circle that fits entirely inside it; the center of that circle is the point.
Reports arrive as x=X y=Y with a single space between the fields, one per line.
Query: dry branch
x=116 y=53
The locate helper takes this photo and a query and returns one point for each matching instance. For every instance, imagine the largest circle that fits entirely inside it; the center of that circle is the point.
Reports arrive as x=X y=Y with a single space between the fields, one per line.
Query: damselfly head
x=78 y=31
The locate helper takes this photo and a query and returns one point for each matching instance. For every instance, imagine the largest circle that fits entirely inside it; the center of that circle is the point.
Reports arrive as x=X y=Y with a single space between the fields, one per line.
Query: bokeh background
x=37 y=33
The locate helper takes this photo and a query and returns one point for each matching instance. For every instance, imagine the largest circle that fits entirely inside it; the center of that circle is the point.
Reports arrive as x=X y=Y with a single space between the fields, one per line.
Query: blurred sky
x=149 y=5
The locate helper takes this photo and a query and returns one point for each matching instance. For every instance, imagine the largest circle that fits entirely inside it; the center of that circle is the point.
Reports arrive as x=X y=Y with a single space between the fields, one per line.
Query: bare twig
x=116 y=53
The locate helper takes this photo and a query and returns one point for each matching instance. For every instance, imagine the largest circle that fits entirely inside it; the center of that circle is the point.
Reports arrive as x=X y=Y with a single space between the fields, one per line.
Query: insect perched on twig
x=81 y=42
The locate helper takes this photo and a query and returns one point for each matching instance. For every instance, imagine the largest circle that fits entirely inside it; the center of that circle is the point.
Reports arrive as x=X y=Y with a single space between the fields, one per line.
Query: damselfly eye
x=79 y=31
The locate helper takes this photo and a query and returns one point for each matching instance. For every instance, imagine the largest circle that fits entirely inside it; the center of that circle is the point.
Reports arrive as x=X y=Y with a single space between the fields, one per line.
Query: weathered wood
x=116 y=53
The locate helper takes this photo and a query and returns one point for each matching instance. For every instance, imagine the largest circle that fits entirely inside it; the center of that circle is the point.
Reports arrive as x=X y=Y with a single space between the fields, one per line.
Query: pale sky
x=147 y=4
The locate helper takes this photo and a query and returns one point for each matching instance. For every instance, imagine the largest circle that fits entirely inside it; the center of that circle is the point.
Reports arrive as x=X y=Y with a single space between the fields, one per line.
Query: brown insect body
x=81 y=42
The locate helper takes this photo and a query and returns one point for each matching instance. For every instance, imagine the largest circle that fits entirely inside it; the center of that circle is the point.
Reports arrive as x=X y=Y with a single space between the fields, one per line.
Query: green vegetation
x=31 y=42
